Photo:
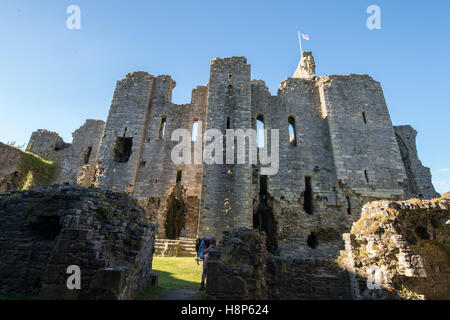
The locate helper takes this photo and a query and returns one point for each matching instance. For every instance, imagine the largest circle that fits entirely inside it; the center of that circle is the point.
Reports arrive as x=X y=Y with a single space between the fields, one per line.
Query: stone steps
x=183 y=247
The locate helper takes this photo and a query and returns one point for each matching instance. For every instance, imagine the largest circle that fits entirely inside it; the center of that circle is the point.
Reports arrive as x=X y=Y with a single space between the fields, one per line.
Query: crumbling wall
x=345 y=153
x=45 y=230
x=418 y=183
x=23 y=170
x=9 y=158
x=400 y=250
x=242 y=268
x=343 y=144
x=70 y=158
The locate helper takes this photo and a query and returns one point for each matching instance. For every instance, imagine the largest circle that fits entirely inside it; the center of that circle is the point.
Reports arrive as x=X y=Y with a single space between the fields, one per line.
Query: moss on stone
x=35 y=170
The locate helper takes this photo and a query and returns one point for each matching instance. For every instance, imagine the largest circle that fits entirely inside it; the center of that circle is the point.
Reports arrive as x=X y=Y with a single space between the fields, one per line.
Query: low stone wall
x=183 y=247
x=400 y=250
x=45 y=230
x=242 y=268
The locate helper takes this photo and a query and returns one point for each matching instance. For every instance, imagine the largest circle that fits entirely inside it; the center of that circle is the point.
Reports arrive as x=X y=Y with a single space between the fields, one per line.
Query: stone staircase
x=182 y=247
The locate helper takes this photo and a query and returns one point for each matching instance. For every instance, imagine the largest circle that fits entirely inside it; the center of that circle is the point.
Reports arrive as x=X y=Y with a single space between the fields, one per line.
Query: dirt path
x=179 y=294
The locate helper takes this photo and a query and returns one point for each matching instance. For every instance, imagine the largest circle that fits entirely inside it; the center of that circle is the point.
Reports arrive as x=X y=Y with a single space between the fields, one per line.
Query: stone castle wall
x=418 y=184
x=241 y=268
x=345 y=153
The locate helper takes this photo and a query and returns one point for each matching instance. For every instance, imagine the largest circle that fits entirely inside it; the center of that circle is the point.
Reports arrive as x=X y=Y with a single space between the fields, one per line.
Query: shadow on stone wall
x=242 y=268
x=45 y=230
x=397 y=250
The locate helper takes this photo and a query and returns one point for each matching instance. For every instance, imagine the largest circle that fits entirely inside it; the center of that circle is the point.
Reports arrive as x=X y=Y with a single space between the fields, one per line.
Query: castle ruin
x=338 y=150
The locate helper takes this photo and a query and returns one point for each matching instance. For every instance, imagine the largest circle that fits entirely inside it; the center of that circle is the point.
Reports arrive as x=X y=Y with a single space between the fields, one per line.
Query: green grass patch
x=173 y=273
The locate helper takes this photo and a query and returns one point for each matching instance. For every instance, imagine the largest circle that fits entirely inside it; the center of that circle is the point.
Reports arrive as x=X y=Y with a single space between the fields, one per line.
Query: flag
x=305 y=36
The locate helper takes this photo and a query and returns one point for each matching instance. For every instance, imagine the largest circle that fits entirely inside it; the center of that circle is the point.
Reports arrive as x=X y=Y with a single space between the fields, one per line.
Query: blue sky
x=55 y=78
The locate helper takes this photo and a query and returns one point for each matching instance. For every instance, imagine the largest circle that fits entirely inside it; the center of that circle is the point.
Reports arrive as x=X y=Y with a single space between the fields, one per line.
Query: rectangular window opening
x=349 y=206
x=308 y=201
x=179 y=174
x=195 y=130
x=87 y=154
x=122 y=149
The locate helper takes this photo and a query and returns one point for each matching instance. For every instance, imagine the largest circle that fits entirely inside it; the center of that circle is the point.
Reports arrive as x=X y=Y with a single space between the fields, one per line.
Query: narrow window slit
x=292 y=133
x=308 y=201
x=364 y=117
x=162 y=128
x=179 y=174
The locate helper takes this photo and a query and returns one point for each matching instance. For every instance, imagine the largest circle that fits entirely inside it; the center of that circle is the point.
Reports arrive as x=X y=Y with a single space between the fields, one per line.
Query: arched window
x=292 y=133
x=260 y=131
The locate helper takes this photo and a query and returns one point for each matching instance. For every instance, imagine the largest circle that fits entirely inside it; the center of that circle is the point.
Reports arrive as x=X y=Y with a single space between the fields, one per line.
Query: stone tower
x=226 y=200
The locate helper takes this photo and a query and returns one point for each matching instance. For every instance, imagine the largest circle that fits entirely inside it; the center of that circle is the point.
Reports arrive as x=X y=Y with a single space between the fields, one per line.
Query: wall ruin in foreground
x=402 y=247
x=45 y=230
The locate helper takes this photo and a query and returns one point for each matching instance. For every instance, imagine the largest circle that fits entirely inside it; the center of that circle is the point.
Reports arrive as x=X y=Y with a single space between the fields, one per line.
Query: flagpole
x=300 y=43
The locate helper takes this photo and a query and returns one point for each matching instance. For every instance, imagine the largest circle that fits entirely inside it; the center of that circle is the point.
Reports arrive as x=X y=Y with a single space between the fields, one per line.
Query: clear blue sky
x=55 y=78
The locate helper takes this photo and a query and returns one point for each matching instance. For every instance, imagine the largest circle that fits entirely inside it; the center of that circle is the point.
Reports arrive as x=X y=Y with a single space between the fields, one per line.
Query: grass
x=173 y=273
x=35 y=170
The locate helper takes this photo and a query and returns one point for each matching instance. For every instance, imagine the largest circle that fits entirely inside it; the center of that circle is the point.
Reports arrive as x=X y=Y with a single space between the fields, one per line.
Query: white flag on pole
x=305 y=36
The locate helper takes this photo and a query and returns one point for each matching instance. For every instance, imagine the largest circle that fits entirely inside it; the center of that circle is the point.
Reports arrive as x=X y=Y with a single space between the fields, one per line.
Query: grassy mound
x=35 y=171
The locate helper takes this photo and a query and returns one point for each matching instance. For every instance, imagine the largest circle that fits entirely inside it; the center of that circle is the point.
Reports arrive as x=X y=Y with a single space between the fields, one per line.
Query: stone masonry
x=241 y=268
x=402 y=249
x=338 y=151
x=43 y=231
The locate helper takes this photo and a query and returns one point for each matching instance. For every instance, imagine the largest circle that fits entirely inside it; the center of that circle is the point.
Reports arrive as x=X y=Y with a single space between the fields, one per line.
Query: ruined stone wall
x=9 y=158
x=335 y=146
x=344 y=146
x=418 y=184
x=69 y=157
x=45 y=230
x=142 y=104
x=241 y=268
x=364 y=146
x=119 y=153
x=226 y=199
x=400 y=250
x=308 y=155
